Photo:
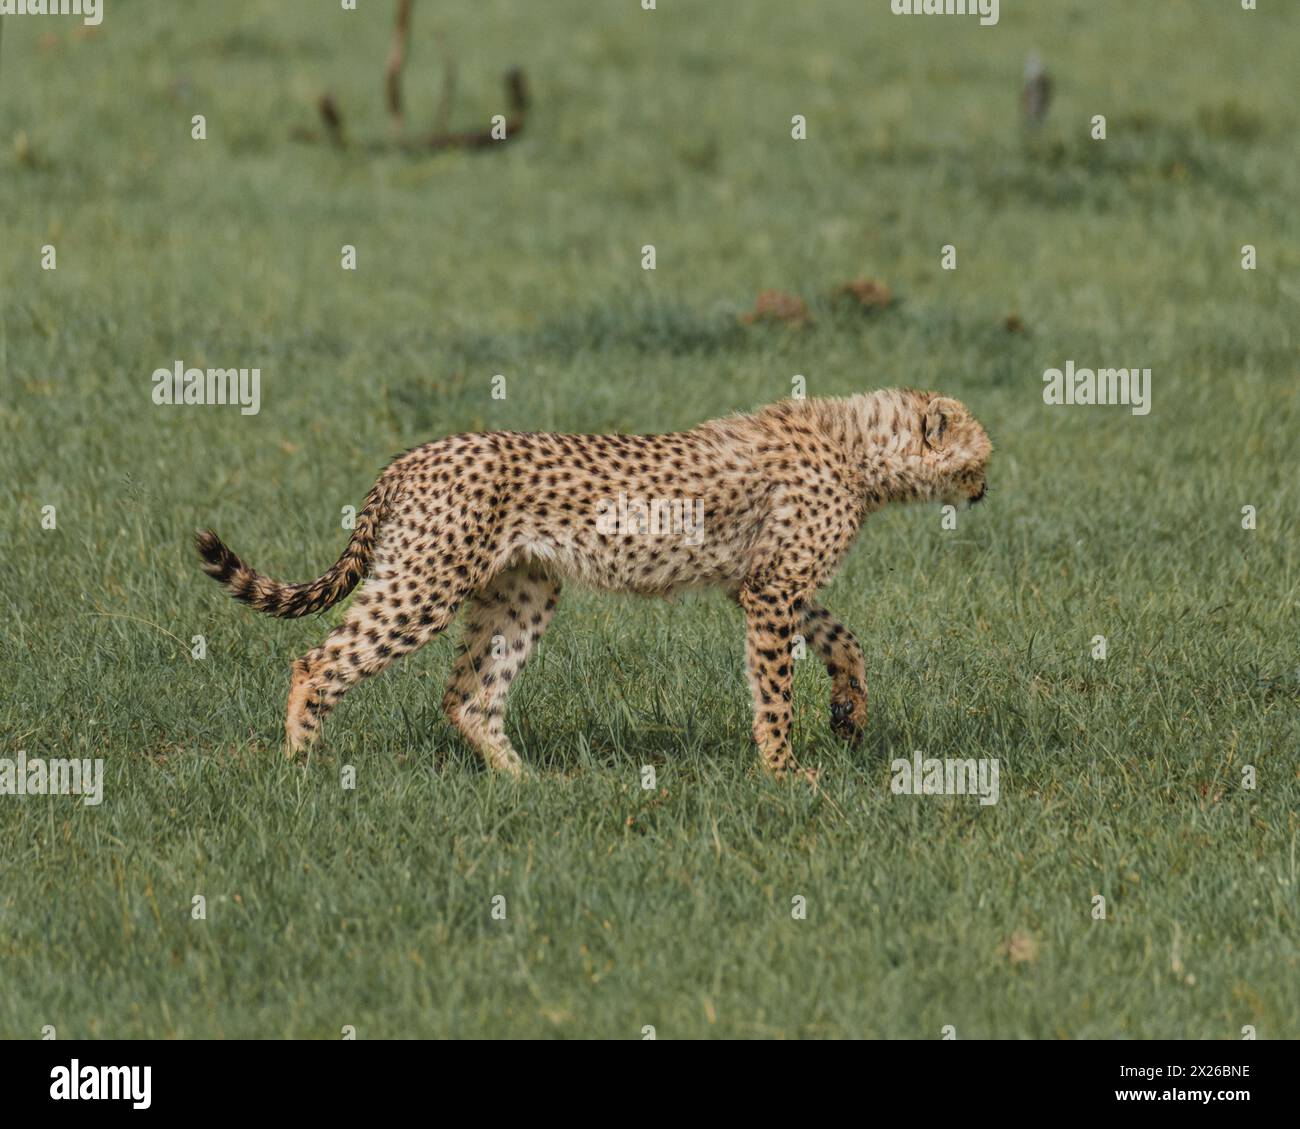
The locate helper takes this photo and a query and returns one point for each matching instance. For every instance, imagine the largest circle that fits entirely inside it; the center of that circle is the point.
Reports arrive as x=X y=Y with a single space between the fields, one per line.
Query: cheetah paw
x=844 y=722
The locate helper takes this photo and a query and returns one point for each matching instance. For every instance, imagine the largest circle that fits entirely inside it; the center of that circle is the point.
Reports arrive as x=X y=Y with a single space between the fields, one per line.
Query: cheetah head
x=955 y=451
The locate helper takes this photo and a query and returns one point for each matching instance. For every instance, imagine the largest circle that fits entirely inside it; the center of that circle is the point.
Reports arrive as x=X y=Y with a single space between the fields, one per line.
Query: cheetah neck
x=880 y=433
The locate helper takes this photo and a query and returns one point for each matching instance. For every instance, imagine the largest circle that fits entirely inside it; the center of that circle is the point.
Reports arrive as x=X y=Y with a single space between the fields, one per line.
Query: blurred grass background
x=672 y=907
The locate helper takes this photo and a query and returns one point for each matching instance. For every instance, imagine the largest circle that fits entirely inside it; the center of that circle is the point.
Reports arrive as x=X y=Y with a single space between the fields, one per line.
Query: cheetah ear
x=941 y=413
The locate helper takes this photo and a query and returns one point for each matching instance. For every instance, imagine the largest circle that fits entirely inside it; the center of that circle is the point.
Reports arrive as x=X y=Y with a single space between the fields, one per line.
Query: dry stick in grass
x=333 y=120
x=441 y=138
x=516 y=96
x=396 y=60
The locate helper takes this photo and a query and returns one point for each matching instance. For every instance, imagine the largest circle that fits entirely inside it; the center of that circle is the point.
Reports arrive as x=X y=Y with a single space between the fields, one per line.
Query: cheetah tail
x=289 y=601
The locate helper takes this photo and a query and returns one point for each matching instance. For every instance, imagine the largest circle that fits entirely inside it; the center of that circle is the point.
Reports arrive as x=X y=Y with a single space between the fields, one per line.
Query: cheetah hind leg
x=503 y=621
x=371 y=636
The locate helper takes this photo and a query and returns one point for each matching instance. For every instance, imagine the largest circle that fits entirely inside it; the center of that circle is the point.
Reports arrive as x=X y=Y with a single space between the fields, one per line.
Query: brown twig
x=333 y=120
x=517 y=101
x=396 y=60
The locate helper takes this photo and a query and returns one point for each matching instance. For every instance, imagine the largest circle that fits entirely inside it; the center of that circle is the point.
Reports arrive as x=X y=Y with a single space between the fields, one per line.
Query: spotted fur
x=494 y=522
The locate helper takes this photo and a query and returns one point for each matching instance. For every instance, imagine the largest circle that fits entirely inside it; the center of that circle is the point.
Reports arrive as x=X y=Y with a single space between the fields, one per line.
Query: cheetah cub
x=764 y=506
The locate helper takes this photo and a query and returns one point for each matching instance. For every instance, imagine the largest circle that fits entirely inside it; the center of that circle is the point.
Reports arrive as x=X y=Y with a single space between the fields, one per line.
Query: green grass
x=671 y=907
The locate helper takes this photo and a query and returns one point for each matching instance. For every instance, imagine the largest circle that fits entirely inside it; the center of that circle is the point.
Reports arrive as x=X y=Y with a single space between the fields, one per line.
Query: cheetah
x=763 y=505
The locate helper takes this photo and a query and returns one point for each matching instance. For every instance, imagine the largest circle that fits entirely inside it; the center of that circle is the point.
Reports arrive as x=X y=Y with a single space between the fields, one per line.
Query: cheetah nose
x=980 y=496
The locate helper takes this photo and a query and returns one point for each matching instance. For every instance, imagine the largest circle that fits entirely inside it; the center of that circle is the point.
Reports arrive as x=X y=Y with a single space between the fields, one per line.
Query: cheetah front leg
x=770 y=616
x=842 y=656
x=502 y=623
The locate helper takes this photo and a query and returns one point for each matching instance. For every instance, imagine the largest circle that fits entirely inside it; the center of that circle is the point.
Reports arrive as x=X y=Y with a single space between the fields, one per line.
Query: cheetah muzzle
x=764 y=506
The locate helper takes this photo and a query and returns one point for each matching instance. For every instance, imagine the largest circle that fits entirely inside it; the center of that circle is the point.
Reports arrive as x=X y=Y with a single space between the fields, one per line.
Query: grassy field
x=672 y=907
